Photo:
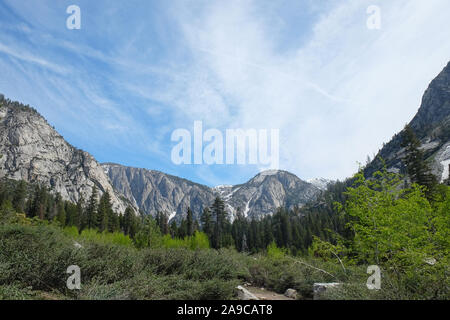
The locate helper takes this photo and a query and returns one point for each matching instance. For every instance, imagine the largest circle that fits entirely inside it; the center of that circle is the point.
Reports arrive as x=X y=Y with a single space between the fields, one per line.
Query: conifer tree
x=416 y=166
x=189 y=223
x=91 y=210
x=129 y=222
x=218 y=213
x=20 y=193
x=60 y=211
x=207 y=223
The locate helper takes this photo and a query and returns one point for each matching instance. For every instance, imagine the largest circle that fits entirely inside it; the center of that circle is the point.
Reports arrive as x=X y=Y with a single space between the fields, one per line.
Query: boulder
x=320 y=288
x=291 y=293
x=244 y=294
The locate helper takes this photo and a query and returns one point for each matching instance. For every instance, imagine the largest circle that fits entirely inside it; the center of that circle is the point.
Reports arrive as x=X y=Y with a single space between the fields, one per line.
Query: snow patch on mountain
x=320 y=183
x=172 y=215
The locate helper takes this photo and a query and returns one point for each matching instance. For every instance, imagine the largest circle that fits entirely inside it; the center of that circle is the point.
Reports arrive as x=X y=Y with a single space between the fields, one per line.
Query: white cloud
x=338 y=97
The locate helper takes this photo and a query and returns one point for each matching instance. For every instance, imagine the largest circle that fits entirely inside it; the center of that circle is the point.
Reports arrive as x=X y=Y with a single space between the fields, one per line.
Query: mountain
x=33 y=151
x=320 y=183
x=267 y=191
x=154 y=191
x=431 y=125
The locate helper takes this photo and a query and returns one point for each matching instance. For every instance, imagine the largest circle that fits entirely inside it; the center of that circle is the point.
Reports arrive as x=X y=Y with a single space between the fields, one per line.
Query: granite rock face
x=266 y=192
x=33 y=151
x=431 y=125
x=154 y=191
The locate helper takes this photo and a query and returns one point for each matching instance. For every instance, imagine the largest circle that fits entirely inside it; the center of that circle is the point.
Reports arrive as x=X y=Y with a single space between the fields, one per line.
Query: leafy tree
x=148 y=234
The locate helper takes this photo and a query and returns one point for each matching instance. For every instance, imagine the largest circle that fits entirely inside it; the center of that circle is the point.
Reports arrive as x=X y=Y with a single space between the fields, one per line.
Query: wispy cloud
x=132 y=74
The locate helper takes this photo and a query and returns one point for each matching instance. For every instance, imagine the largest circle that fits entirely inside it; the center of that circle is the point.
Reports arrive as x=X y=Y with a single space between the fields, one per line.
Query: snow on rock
x=172 y=215
x=320 y=183
x=445 y=172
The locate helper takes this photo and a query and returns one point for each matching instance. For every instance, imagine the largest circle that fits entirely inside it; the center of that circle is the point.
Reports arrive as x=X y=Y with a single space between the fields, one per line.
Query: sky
x=136 y=71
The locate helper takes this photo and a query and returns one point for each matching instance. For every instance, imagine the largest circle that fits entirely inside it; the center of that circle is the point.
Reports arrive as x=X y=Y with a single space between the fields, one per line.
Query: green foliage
x=198 y=241
x=106 y=237
x=148 y=234
x=399 y=230
x=273 y=252
x=35 y=256
x=417 y=168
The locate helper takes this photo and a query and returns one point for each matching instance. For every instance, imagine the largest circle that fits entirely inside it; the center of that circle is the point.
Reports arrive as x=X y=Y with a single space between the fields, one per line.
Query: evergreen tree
x=162 y=220
x=129 y=222
x=80 y=222
x=417 y=168
x=189 y=223
x=207 y=223
x=218 y=213
x=60 y=211
x=20 y=194
x=91 y=210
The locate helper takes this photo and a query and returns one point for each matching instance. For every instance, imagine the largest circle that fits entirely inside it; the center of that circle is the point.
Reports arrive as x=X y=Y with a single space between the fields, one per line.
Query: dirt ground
x=264 y=294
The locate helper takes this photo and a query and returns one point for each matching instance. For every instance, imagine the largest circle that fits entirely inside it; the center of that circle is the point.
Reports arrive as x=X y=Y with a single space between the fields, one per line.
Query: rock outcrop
x=266 y=192
x=244 y=294
x=431 y=125
x=33 y=151
x=320 y=288
x=153 y=191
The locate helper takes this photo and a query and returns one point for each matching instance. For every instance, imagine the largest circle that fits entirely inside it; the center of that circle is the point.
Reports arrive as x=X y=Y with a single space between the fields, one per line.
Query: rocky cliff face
x=431 y=125
x=154 y=191
x=33 y=151
x=266 y=192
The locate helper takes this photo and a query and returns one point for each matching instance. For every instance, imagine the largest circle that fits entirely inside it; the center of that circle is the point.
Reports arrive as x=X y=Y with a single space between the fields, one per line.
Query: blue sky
x=137 y=70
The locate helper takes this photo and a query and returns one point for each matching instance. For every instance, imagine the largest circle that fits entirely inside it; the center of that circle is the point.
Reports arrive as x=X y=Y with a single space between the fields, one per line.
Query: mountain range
x=154 y=191
x=33 y=151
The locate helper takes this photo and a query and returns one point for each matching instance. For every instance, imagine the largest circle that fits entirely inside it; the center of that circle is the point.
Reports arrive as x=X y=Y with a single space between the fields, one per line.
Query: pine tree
x=81 y=220
x=129 y=222
x=162 y=220
x=218 y=213
x=189 y=223
x=207 y=223
x=91 y=210
x=103 y=213
x=20 y=193
x=60 y=211
x=417 y=168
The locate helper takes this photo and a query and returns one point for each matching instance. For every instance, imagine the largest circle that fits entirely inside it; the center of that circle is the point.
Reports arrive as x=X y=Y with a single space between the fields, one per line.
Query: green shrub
x=36 y=256
x=106 y=237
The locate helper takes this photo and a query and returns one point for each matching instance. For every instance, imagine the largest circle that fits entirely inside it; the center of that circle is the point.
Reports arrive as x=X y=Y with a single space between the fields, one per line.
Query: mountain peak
x=431 y=125
x=33 y=151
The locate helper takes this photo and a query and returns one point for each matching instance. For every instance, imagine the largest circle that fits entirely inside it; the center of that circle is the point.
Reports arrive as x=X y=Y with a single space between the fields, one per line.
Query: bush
x=105 y=237
x=35 y=256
